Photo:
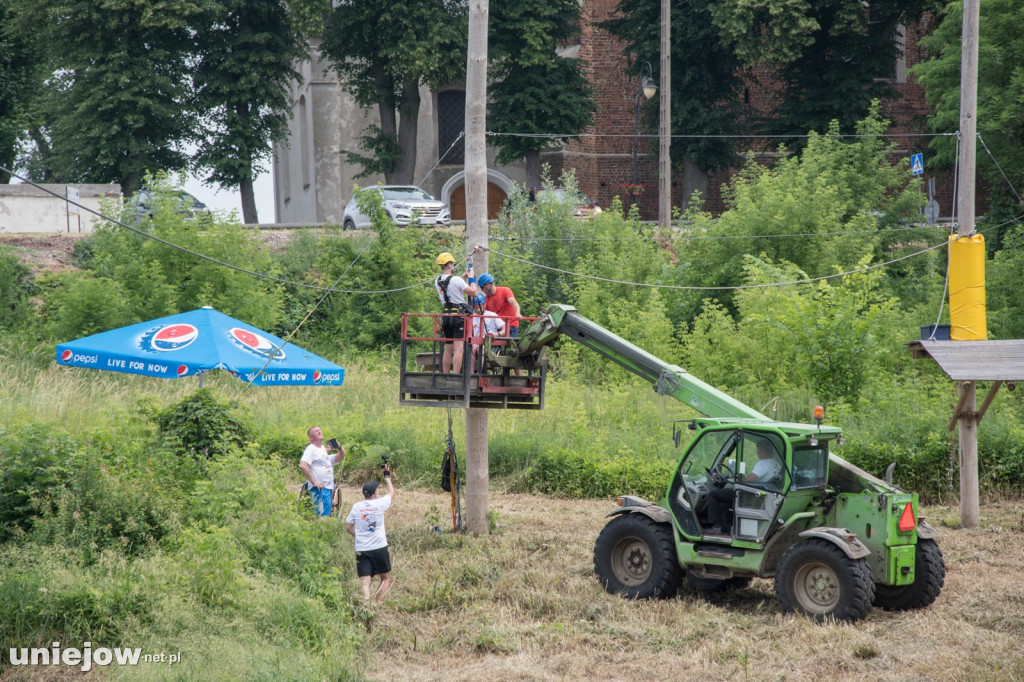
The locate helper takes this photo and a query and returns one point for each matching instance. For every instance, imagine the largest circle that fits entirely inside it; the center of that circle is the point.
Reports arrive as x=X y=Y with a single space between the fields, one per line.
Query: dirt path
x=43 y=252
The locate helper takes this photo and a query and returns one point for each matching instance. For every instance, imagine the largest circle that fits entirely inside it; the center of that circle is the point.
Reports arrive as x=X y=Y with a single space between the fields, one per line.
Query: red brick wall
x=604 y=163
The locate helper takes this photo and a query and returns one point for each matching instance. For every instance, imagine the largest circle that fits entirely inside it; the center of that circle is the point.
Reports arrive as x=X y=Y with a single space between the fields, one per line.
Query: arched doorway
x=495 y=201
x=454 y=194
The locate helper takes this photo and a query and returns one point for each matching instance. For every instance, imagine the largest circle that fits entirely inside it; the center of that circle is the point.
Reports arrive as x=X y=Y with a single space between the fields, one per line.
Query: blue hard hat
x=485 y=278
x=479 y=299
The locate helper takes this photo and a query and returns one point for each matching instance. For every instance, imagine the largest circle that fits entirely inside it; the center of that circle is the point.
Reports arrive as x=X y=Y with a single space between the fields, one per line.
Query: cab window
x=762 y=462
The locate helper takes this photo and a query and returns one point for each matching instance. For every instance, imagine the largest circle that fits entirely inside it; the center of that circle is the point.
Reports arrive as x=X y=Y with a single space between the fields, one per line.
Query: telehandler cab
x=836 y=539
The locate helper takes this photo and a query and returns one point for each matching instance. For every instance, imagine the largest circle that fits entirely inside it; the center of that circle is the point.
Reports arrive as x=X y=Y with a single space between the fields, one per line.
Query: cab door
x=760 y=484
x=687 y=494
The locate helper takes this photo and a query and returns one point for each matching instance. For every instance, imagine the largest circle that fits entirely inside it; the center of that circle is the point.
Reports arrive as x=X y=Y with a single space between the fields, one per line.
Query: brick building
x=312 y=182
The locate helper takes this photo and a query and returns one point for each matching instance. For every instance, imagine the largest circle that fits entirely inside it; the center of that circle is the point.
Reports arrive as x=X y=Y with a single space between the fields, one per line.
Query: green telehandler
x=836 y=539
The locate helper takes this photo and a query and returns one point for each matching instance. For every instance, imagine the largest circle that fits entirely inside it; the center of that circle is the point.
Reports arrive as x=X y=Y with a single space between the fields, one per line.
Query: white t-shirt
x=321 y=464
x=368 y=518
x=765 y=469
x=455 y=288
x=492 y=323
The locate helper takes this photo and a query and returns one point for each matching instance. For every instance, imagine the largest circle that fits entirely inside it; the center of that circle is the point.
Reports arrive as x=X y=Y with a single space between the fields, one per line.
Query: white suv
x=403 y=204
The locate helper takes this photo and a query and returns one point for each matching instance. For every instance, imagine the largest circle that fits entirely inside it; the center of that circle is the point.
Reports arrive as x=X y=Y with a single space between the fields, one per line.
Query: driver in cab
x=720 y=499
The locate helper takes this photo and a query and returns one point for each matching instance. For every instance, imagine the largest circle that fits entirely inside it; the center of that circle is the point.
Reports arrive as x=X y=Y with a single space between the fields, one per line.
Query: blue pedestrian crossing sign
x=917 y=164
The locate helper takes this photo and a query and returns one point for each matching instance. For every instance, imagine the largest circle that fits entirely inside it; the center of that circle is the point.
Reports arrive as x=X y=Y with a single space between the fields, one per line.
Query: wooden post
x=968 y=119
x=970 y=510
x=476 y=231
x=665 y=121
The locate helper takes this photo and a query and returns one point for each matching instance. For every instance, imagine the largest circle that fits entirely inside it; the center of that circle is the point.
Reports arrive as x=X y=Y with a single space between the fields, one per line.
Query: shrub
x=589 y=474
x=33 y=464
x=102 y=510
x=16 y=286
x=200 y=427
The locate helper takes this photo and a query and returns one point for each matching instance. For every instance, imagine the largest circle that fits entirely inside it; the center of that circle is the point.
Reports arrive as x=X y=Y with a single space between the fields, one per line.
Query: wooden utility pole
x=665 y=120
x=476 y=232
x=970 y=508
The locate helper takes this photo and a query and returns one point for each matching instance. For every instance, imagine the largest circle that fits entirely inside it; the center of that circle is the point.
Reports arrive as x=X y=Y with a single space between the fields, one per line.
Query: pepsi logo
x=316 y=376
x=173 y=337
x=255 y=343
x=182 y=370
x=73 y=358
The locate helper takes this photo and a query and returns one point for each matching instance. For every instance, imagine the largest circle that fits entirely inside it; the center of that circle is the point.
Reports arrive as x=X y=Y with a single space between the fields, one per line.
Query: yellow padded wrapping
x=967 y=288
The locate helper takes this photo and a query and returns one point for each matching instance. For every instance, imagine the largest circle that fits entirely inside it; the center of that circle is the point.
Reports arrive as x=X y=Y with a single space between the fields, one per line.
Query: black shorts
x=373 y=562
x=453 y=327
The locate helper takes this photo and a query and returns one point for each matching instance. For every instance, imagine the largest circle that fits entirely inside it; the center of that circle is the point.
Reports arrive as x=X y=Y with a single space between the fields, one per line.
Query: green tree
x=81 y=304
x=1005 y=296
x=373 y=320
x=19 y=68
x=245 y=51
x=161 y=280
x=825 y=200
x=833 y=57
x=533 y=89
x=1000 y=93
x=826 y=336
x=705 y=85
x=383 y=51
x=121 y=85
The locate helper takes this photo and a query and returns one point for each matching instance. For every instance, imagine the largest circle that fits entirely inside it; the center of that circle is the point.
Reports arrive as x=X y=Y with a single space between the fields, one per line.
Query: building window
x=451 y=120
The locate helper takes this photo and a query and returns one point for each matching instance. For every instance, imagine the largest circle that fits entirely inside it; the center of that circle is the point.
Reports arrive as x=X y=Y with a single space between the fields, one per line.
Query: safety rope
x=453 y=477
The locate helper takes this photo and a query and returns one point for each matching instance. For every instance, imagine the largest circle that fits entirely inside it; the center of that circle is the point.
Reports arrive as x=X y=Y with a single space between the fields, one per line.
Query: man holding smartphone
x=366 y=524
x=317 y=464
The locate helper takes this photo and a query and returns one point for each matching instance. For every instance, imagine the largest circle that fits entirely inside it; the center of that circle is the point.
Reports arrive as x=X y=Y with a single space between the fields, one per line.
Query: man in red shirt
x=502 y=302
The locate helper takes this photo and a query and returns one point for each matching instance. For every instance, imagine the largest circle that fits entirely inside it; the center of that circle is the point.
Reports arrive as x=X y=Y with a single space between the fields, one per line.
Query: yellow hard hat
x=445 y=258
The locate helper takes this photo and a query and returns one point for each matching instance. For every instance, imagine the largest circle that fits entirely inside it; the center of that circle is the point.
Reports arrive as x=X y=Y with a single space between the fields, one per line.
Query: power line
x=718 y=237
x=744 y=286
x=560 y=136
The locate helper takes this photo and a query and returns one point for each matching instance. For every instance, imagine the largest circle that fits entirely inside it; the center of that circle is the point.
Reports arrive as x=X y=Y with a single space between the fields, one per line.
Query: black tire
x=929 y=576
x=714 y=586
x=636 y=557
x=348 y=225
x=816 y=578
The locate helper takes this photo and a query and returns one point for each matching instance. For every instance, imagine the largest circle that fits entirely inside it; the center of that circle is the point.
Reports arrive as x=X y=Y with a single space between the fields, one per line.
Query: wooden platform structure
x=1001 y=362
x=423 y=384
x=968 y=362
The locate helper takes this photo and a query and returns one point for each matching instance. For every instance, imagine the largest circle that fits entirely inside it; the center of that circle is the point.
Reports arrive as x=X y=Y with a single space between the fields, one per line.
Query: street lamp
x=646 y=89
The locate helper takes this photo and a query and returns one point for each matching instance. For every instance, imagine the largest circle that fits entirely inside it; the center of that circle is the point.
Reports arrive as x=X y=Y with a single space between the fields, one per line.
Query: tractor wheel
x=636 y=557
x=929 y=575
x=816 y=578
x=714 y=586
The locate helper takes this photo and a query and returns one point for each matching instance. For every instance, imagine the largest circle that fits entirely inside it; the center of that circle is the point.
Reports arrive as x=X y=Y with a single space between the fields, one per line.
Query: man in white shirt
x=366 y=524
x=453 y=292
x=318 y=466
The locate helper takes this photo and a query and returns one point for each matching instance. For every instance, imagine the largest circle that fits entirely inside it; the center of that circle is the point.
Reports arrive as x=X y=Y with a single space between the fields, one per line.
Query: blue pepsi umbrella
x=197 y=342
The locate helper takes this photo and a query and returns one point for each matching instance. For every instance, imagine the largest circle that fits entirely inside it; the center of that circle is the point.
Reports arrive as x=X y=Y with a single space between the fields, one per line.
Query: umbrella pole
x=201 y=379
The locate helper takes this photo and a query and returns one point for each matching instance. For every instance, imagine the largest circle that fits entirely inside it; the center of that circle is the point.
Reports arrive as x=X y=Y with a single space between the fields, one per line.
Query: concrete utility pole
x=970 y=508
x=476 y=232
x=665 y=120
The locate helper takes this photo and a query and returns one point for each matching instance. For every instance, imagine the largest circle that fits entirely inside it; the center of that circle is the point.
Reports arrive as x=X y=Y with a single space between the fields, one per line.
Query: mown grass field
x=524 y=604
x=229 y=592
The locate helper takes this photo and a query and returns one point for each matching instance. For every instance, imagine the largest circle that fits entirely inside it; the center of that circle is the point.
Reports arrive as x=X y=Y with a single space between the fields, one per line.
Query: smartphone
x=333 y=444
